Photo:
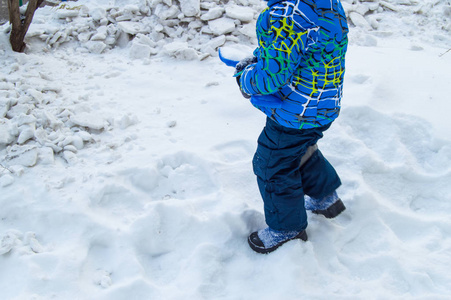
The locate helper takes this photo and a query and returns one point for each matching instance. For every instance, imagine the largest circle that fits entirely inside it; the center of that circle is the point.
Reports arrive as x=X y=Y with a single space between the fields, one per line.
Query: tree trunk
x=20 y=25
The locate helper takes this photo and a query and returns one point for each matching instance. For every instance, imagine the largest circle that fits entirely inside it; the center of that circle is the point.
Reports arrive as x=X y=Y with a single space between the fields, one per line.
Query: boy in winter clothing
x=301 y=62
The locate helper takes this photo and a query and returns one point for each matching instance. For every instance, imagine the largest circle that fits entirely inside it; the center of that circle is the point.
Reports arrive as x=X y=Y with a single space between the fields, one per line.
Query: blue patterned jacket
x=301 y=60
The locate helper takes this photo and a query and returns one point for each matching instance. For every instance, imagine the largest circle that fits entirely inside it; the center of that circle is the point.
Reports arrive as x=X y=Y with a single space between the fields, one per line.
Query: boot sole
x=332 y=211
x=302 y=235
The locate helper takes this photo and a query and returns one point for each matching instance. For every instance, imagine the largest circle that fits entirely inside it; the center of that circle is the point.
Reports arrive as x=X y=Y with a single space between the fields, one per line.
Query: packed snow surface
x=126 y=148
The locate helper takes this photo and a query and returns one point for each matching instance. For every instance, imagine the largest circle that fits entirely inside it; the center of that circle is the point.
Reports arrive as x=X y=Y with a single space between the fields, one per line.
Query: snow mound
x=426 y=21
x=40 y=116
x=98 y=27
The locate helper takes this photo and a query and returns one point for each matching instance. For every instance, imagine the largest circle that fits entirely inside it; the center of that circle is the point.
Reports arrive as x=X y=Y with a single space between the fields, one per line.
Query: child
x=300 y=61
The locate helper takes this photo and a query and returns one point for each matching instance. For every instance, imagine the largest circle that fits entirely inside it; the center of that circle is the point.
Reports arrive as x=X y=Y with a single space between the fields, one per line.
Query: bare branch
x=2 y=166
x=444 y=52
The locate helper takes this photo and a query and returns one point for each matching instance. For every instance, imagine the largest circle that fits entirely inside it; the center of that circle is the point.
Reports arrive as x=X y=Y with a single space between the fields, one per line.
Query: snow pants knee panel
x=319 y=184
x=280 y=180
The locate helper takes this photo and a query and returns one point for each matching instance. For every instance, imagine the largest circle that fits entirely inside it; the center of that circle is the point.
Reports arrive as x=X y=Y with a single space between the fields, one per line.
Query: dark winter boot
x=267 y=240
x=329 y=206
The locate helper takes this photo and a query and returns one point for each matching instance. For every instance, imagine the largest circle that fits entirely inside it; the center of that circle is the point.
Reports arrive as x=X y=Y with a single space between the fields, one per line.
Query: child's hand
x=239 y=68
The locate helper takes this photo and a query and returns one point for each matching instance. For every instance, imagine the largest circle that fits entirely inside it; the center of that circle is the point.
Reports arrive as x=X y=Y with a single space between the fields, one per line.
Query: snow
x=126 y=148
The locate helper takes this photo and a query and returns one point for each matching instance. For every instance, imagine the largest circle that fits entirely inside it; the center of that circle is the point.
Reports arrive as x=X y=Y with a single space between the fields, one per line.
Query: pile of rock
x=187 y=29
x=194 y=29
x=39 y=122
x=383 y=18
x=32 y=131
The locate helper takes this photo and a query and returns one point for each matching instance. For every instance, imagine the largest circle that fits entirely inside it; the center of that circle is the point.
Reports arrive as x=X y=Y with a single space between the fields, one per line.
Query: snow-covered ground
x=126 y=173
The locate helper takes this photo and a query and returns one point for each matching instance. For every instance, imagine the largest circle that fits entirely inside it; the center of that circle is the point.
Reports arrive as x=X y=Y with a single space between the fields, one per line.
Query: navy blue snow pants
x=282 y=182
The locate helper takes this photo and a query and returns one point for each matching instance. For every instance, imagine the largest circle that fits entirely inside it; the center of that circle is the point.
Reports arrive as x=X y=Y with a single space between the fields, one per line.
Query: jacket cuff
x=244 y=87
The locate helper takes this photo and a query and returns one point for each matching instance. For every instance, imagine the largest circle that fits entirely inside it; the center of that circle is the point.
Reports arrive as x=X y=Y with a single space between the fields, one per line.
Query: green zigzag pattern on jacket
x=330 y=64
x=285 y=40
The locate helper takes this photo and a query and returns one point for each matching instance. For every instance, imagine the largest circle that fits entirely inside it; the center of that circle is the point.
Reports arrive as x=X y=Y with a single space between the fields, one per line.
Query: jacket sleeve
x=278 y=57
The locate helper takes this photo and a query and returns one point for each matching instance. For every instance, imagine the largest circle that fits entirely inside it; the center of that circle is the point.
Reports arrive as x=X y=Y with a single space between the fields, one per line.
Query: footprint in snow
x=181 y=175
x=235 y=151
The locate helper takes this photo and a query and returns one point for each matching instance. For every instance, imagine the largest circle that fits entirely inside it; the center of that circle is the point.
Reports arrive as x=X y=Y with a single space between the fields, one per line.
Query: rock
x=48 y=120
x=88 y=120
x=123 y=40
x=347 y=7
x=65 y=13
x=144 y=39
x=23 y=119
x=170 y=13
x=168 y=25
x=171 y=124
x=121 y=17
x=101 y=34
x=26 y=155
x=17 y=170
x=96 y=47
x=73 y=140
x=248 y=30
x=127 y=121
x=6 y=86
x=19 y=109
x=373 y=6
x=77 y=141
x=84 y=36
x=180 y=50
x=221 y=26
x=131 y=27
x=131 y=8
x=190 y=8
x=373 y=22
x=46 y=156
x=70 y=148
x=212 y=14
x=359 y=21
x=52 y=87
x=33 y=243
x=36 y=30
x=195 y=25
x=388 y=6
x=85 y=136
x=26 y=134
x=6 y=136
x=244 y=14
x=5 y=104
x=217 y=42
x=140 y=51
x=54 y=147
x=207 y=5
x=110 y=40
x=362 y=9
x=144 y=9
x=70 y=157
x=159 y=28
x=97 y=14
x=7 y=242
